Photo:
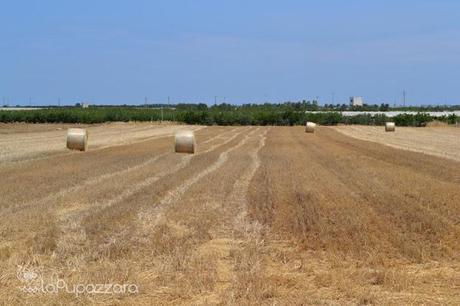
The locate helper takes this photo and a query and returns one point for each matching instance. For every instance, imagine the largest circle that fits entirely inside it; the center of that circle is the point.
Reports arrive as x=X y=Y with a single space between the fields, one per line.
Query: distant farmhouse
x=356 y=101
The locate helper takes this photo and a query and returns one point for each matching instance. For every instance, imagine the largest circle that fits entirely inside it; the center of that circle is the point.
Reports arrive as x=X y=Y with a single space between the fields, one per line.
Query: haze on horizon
x=244 y=51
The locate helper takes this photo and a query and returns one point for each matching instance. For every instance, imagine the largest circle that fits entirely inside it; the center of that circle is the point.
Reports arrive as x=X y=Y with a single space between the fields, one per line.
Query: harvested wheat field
x=20 y=142
x=442 y=141
x=258 y=215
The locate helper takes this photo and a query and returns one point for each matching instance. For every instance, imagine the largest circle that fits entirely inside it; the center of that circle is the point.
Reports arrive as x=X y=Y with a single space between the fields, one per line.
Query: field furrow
x=349 y=202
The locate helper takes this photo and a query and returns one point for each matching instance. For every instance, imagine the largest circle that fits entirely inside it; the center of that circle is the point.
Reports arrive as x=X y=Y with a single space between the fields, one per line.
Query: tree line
x=222 y=114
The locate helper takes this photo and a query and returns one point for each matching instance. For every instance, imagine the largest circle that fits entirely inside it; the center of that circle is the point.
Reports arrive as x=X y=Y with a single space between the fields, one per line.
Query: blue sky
x=246 y=51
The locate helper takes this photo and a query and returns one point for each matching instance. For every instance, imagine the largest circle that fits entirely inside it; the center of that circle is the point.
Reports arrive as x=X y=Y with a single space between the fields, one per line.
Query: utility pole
x=404 y=98
x=333 y=98
x=161 y=112
x=30 y=101
x=59 y=102
x=172 y=111
x=215 y=100
x=145 y=101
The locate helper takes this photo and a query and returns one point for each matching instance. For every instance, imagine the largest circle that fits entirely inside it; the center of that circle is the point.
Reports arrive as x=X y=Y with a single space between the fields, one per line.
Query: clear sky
x=244 y=50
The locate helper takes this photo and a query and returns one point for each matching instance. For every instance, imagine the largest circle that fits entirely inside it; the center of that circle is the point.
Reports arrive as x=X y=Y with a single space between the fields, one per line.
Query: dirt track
x=258 y=215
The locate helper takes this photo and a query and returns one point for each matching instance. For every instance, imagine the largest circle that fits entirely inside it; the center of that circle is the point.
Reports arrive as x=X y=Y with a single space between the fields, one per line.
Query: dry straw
x=77 y=139
x=185 y=142
x=390 y=127
x=310 y=127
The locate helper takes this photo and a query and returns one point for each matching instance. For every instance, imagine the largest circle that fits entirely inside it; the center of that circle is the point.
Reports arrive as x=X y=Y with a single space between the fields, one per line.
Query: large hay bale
x=77 y=139
x=185 y=142
x=390 y=127
x=310 y=127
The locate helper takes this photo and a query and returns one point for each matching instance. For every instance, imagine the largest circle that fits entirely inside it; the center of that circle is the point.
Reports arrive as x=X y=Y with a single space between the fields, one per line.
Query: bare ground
x=260 y=215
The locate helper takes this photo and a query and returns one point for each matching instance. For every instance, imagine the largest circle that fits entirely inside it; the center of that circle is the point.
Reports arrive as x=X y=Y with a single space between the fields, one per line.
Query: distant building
x=82 y=105
x=356 y=101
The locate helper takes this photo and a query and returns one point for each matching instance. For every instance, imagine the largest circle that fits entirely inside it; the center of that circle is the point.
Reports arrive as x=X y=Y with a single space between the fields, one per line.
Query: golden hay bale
x=77 y=139
x=390 y=127
x=185 y=142
x=310 y=127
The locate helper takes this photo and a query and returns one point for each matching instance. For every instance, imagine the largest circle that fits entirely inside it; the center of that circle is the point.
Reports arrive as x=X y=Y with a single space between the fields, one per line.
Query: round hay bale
x=77 y=139
x=390 y=127
x=185 y=142
x=310 y=127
